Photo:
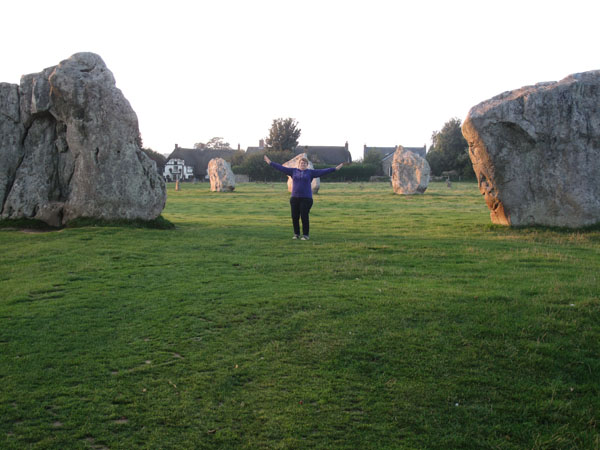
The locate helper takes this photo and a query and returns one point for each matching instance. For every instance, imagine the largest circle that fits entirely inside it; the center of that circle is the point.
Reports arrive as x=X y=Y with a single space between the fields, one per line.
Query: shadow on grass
x=160 y=223
x=26 y=224
x=541 y=228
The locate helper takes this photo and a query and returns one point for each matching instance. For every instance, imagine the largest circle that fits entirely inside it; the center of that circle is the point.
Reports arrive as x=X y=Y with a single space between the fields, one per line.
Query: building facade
x=175 y=169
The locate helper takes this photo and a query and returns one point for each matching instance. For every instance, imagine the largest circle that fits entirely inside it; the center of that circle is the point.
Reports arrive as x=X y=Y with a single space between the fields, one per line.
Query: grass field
x=405 y=322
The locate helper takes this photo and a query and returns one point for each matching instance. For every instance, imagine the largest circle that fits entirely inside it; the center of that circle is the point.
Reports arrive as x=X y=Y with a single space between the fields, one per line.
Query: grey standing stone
x=536 y=152
x=71 y=148
x=221 y=176
x=410 y=172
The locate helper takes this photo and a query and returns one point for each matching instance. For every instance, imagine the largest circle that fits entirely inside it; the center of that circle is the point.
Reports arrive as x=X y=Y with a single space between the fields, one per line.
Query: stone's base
x=51 y=213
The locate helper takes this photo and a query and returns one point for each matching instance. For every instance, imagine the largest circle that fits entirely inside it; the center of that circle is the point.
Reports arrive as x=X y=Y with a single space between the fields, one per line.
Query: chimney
x=176 y=146
x=346 y=145
x=261 y=143
x=239 y=147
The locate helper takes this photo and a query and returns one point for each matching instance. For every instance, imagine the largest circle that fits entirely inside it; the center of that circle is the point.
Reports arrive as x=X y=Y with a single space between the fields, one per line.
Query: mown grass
x=405 y=322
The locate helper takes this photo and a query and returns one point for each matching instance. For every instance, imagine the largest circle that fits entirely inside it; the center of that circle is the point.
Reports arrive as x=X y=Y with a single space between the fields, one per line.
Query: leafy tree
x=254 y=166
x=217 y=143
x=283 y=135
x=373 y=158
x=450 y=151
x=238 y=158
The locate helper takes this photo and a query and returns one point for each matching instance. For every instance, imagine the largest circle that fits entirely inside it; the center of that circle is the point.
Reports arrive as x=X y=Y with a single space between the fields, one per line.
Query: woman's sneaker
x=296 y=236
x=305 y=238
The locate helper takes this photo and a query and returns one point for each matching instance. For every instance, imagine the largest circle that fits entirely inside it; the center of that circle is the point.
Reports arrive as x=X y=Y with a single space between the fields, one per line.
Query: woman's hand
x=267 y=160
x=339 y=166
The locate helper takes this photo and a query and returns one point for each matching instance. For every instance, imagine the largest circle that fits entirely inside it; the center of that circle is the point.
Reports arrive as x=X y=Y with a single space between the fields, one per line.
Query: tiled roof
x=383 y=151
x=421 y=151
x=328 y=154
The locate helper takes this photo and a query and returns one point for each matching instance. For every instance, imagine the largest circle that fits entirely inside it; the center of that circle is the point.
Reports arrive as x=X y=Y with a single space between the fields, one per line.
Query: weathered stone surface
x=536 y=152
x=11 y=134
x=410 y=172
x=69 y=148
x=221 y=176
x=315 y=183
x=37 y=178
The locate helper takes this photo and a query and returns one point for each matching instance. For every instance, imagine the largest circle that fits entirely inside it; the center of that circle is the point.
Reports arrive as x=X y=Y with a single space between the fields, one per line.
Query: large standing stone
x=69 y=148
x=221 y=176
x=410 y=172
x=293 y=163
x=536 y=152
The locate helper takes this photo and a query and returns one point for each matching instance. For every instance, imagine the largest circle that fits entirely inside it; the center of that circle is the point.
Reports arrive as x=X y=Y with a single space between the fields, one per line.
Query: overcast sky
x=373 y=72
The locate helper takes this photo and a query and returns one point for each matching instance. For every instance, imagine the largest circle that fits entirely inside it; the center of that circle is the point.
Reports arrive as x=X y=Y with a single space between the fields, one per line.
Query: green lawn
x=405 y=322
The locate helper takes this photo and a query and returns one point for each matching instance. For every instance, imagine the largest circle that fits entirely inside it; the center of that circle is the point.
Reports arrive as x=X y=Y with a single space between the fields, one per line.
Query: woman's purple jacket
x=302 y=178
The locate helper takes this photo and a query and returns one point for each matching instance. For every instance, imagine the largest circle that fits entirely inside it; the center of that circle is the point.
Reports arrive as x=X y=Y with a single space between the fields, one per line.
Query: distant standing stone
x=536 y=152
x=293 y=163
x=410 y=172
x=221 y=176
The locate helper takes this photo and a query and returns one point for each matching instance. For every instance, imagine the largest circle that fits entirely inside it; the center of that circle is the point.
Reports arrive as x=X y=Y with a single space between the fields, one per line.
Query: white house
x=175 y=169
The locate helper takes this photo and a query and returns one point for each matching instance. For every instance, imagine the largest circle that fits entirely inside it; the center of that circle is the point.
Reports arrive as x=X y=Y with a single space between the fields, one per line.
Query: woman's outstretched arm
x=286 y=170
x=316 y=173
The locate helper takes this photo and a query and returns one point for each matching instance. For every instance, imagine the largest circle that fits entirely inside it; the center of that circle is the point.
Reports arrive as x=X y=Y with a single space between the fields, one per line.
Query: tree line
x=447 y=156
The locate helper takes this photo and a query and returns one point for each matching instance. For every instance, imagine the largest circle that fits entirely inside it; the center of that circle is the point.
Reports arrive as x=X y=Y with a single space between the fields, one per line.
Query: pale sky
x=376 y=72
